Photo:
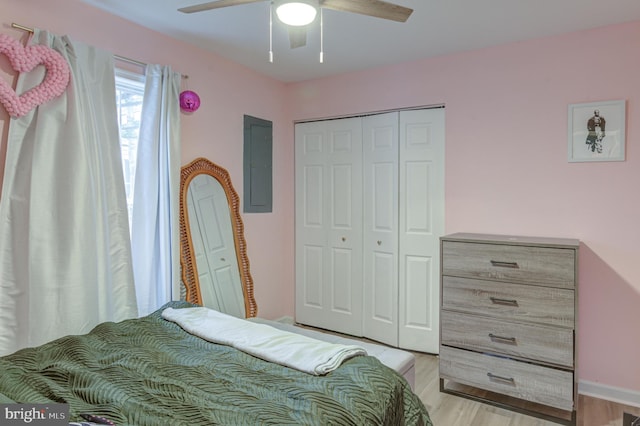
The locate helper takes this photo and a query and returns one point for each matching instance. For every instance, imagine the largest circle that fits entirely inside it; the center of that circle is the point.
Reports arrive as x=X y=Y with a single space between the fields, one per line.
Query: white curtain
x=65 y=254
x=155 y=225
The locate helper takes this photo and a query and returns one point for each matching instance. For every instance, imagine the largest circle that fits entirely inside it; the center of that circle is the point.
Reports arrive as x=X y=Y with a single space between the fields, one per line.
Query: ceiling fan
x=309 y=8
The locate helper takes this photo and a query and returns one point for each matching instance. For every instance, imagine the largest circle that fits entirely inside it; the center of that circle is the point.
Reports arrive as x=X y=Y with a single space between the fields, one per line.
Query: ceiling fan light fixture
x=296 y=13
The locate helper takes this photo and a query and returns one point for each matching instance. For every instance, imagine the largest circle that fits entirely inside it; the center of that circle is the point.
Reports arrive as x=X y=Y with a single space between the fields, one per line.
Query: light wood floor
x=451 y=410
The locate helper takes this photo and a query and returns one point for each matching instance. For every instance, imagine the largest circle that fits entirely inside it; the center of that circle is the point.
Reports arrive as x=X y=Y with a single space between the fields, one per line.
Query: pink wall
x=506 y=166
x=228 y=91
x=507 y=169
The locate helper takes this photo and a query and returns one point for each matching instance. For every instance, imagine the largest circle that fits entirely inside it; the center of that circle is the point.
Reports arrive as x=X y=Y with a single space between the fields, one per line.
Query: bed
x=399 y=360
x=149 y=371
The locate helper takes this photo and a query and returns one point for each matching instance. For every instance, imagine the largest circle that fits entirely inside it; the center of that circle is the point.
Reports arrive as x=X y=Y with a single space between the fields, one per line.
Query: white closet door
x=329 y=224
x=380 y=233
x=421 y=226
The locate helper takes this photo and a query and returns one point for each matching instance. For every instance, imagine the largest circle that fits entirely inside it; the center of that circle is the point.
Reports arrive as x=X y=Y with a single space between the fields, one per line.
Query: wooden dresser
x=508 y=315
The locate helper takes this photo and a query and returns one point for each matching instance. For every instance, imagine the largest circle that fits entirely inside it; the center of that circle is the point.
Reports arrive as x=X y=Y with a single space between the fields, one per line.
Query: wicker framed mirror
x=213 y=251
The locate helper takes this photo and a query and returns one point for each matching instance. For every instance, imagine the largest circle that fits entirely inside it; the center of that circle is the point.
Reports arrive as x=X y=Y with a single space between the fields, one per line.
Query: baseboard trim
x=610 y=393
x=285 y=320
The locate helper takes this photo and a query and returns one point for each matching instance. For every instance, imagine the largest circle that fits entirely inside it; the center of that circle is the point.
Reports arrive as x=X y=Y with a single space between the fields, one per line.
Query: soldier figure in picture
x=595 y=127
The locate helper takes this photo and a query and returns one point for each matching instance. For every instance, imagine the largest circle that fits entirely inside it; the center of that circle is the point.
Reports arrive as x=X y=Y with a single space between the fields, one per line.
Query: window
x=154 y=228
x=129 y=96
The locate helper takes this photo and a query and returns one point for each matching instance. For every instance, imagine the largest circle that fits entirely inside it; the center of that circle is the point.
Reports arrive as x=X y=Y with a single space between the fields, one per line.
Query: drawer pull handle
x=508 y=302
x=509 y=380
x=501 y=264
x=510 y=340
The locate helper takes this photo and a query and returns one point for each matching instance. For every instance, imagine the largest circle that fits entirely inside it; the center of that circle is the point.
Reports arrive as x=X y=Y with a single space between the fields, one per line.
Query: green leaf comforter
x=148 y=371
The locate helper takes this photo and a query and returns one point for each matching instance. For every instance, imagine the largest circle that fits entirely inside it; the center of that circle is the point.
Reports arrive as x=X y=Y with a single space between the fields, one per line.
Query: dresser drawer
x=545 y=266
x=529 y=382
x=551 y=345
x=542 y=305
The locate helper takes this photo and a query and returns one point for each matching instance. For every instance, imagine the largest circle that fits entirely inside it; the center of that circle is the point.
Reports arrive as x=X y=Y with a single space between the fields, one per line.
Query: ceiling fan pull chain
x=321 y=36
x=271 y=32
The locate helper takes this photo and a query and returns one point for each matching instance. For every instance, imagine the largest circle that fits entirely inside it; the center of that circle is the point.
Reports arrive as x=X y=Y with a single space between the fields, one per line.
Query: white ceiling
x=354 y=42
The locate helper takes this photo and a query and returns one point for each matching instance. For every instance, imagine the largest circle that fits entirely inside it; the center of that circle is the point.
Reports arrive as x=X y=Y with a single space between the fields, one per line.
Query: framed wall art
x=597 y=131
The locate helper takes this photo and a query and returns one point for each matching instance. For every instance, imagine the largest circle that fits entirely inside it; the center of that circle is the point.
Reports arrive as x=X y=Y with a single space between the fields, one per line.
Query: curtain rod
x=118 y=57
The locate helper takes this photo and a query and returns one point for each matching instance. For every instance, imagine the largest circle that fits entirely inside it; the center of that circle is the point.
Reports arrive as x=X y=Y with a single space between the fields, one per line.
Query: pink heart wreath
x=25 y=59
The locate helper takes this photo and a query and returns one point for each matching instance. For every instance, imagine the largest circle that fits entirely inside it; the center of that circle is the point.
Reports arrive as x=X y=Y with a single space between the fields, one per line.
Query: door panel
x=418 y=270
x=216 y=247
x=421 y=225
x=382 y=292
x=328 y=225
x=311 y=294
x=380 y=153
x=342 y=268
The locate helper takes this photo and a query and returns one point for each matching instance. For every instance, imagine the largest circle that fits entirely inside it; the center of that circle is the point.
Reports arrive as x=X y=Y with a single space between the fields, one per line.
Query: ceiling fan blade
x=376 y=8
x=297 y=36
x=215 y=5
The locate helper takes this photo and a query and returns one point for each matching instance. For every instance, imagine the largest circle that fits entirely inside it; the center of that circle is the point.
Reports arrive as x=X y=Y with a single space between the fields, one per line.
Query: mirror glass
x=215 y=266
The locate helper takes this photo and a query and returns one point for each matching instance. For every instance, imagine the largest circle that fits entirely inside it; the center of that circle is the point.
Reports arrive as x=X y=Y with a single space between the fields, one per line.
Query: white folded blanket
x=263 y=341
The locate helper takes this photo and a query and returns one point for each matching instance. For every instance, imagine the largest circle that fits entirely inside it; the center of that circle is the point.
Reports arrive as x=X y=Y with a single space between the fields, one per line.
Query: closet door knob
x=379 y=242
x=344 y=238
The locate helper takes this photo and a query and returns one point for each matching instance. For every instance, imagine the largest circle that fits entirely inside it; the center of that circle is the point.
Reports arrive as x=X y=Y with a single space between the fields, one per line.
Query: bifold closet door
x=380 y=227
x=328 y=179
x=369 y=215
x=403 y=189
x=421 y=224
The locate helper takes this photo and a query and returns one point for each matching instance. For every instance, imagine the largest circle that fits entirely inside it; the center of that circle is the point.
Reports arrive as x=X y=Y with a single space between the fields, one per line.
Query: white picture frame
x=597 y=131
